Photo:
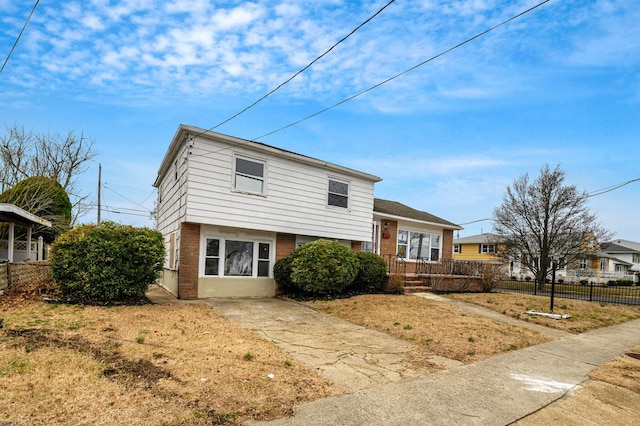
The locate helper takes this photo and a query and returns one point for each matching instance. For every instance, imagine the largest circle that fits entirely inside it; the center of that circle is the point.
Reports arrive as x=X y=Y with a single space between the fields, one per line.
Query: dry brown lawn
x=585 y=316
x=185 y=364
x=152 y=364
x=439 y=328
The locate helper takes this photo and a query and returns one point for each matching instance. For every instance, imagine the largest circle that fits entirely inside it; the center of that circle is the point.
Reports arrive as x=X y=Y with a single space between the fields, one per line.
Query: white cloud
x=240 y=16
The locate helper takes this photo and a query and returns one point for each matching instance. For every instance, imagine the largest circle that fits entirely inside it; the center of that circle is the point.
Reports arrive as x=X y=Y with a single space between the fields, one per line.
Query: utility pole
x=99 y=186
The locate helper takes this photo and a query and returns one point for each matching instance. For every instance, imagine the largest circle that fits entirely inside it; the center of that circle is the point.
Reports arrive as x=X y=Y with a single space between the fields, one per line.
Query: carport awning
x=11 y=213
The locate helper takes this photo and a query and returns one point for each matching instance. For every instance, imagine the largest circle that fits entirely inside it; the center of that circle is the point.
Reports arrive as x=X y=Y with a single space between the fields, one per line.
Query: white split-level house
x=229 y=208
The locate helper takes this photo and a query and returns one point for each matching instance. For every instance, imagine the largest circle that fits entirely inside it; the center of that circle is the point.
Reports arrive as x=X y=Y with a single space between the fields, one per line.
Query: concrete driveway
x=352 y=357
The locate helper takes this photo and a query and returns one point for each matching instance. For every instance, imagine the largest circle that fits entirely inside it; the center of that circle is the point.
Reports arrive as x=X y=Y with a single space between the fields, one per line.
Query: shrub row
x=326 y=267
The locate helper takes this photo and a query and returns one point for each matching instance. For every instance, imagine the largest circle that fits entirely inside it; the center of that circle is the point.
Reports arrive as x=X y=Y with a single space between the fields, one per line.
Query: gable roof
x=396 y=210
x=620 y=246
x=487 y=237
x=186 y=132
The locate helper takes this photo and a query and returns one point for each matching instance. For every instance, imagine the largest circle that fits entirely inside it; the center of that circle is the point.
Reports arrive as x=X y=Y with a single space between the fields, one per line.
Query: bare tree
x=543 y=221
x=24 y=154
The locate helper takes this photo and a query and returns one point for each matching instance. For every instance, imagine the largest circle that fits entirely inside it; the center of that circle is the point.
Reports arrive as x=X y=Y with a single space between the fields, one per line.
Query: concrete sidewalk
x=367 y=363
x=496 y=391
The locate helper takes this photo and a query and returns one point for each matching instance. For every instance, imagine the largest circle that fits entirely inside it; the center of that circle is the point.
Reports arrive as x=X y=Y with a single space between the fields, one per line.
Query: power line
x=300 y=71
x=105 y=185
x=377 y=85
x=611 y=188
x=469 y=40
x=19 y=35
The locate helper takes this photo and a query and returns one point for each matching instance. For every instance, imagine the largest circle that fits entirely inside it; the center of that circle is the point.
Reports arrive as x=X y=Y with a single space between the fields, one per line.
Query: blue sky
x=560 y=85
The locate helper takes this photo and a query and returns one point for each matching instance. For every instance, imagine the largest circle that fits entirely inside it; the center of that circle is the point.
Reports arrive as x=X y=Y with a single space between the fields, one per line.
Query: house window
x=418 y=245
x=249 y=176
x=241 y=258
x=603 y=264
x=403 y=239
x=338 y=193
x=457 y=248
x=238 y=259
x=583 y=263
x=264 y=259
x=487 y=248
x=636 y=257
x=212 y=257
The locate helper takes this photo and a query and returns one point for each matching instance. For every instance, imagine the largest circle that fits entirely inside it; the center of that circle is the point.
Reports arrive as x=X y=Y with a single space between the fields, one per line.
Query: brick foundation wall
x=189 y=261
x=356 y=246
x=455 y=284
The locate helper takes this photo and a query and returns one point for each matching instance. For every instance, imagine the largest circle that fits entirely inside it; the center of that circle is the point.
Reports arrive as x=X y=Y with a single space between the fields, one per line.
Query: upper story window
x=249 y=176
x=338 y=193
x=488 y=248
x=636 y=257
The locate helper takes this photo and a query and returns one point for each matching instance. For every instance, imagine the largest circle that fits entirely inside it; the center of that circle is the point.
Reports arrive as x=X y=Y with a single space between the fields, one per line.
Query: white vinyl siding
x=296 y=202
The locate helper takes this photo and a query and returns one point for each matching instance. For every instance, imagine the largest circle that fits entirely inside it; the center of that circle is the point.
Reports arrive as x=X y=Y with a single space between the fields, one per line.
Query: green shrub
x=282 y=275
x=372 y=272
x=106 y=263
x=323 y=266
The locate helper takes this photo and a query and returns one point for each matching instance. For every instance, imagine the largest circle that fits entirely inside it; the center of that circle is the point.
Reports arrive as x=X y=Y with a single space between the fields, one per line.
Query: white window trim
x=340 y=180
x=457 y=248
x=265 y=164
x=222 y=249
x=408 y=244
x=488 y=248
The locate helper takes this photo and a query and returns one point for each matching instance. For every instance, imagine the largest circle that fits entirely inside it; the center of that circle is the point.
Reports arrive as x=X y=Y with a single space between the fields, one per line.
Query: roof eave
x=423 y=222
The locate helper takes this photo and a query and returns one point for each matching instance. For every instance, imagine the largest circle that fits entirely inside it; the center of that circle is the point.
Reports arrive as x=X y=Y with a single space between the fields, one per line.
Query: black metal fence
x=626 y=295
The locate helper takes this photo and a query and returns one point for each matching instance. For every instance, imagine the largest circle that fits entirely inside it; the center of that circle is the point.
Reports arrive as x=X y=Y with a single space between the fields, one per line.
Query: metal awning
x=12 y=215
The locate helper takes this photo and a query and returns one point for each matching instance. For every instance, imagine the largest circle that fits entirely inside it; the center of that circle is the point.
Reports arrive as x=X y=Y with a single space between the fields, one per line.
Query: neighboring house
x=481 y=247
x=623 y=257
x=598 y=263
x=229 y=208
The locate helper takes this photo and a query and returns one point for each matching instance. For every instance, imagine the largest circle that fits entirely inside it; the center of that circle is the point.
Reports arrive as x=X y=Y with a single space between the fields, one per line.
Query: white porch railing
x=20 y=252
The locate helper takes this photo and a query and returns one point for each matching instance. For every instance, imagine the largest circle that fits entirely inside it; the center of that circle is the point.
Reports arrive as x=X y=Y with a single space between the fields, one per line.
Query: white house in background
x=228 y=208
x=624 y=256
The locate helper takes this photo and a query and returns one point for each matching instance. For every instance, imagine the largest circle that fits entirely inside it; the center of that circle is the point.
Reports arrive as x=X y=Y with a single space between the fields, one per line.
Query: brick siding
x=285 y=244
x=189 y=261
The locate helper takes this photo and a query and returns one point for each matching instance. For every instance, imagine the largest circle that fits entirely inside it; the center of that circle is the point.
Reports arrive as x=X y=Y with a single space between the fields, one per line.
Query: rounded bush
x=323 y=266
x=372 y=272
x=107 y=262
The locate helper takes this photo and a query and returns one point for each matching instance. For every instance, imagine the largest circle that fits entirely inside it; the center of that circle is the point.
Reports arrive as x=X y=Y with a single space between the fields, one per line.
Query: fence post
x=591 y=292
